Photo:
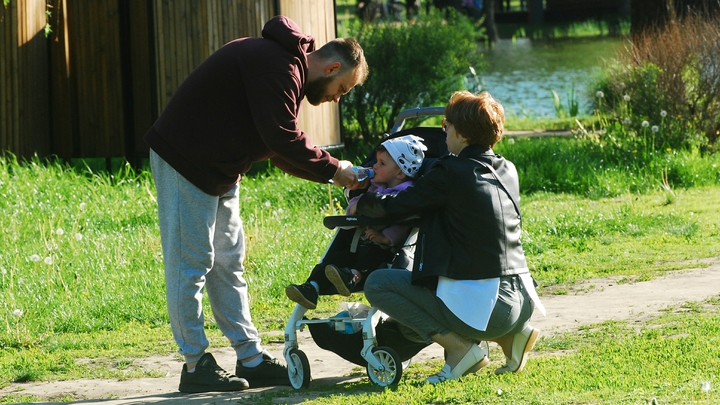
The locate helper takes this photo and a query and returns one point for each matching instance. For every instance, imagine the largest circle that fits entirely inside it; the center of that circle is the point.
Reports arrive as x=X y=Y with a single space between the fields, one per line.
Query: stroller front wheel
x=299 y=369
x=391 y=370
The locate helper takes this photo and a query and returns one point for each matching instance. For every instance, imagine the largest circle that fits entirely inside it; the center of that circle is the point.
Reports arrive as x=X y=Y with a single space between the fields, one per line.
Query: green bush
x=412 y=64
x=664 y=89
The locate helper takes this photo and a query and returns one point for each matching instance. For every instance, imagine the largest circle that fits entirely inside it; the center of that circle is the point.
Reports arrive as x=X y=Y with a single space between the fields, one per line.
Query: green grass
x=82 y=285
x=611 y=363
x=515 y=123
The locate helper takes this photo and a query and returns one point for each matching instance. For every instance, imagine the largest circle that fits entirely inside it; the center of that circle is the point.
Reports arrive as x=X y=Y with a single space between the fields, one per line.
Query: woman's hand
x=377 y=237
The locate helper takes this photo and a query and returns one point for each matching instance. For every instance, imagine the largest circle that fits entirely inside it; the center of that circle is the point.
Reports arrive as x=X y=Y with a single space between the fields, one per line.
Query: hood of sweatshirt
x=287 y=33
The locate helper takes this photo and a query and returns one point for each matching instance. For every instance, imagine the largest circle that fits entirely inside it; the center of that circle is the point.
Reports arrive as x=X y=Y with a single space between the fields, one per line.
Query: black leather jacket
x=470 y=229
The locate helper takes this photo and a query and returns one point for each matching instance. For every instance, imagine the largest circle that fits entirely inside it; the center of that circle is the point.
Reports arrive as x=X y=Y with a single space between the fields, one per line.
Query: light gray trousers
x=419 y=309
x=203 y=250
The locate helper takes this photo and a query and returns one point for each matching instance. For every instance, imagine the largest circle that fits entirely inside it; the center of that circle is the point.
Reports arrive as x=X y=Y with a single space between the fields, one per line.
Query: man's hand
x=345 y=175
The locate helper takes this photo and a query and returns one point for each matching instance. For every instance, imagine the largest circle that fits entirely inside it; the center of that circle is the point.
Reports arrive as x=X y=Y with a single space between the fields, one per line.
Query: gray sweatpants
x=203 y=250
x=419 y=309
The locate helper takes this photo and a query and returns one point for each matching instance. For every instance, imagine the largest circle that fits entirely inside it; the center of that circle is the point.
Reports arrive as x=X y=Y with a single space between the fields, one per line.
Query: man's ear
x=332 y=68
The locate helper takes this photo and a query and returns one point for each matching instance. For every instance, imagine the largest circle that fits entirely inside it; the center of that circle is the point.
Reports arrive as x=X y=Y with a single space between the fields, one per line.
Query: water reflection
x=522 y=74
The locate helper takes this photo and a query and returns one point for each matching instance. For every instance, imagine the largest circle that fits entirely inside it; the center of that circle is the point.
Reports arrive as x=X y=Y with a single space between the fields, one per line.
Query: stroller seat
x=379 y=344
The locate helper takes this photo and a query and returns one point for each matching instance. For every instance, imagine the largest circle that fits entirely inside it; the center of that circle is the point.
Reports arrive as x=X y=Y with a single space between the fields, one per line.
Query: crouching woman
x=470 y=281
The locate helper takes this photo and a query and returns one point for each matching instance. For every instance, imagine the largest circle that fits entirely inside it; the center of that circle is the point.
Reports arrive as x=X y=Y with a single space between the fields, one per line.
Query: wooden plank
x=5 y=75
x=82 y=43
x=160 y=49
x=180 y=44
x=62 y=102
x=322 y=123
x=141 y=83
x=15 y=112
x=205 y=24
x=114 y=103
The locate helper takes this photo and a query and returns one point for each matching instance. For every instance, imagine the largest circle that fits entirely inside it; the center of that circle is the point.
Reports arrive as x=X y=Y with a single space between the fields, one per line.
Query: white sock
x=254 y=362
x=191 y=371
x=315 y=284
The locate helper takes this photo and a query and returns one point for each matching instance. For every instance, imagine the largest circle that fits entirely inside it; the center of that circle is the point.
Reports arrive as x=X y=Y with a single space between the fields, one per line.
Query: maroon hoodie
x=240 y=106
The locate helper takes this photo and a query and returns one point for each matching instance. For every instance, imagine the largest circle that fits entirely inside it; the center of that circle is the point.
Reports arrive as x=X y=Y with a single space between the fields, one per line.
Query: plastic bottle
x=363 y=172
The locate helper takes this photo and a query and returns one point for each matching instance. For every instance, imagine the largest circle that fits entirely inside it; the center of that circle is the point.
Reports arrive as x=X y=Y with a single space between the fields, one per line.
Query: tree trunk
x=490 y=26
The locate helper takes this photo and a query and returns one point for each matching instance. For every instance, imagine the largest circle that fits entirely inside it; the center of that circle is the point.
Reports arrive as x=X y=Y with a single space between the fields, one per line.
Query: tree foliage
x=412 y=64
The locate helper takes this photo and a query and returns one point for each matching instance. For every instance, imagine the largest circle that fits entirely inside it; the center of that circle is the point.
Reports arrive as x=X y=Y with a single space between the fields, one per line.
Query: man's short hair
x=480 y=119
x=349 y=53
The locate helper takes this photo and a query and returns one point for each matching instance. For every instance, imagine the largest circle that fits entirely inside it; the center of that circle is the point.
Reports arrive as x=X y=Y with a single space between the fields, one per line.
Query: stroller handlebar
x=355 y=221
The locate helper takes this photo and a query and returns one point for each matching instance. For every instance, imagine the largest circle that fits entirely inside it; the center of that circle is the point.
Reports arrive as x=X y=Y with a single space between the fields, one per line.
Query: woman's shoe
x=472 y=358
x=478 y=366
x=523 y=342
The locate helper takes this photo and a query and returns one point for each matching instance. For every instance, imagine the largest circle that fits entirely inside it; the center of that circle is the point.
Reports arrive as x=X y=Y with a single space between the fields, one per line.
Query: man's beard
x=316 y=90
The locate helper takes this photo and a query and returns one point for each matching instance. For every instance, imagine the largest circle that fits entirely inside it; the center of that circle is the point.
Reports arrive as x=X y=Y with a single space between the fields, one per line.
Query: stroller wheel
x=391 y=370
x=299 y=369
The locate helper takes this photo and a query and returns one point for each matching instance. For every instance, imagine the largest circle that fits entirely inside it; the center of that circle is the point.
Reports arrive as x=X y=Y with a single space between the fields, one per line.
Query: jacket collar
x=476 y=151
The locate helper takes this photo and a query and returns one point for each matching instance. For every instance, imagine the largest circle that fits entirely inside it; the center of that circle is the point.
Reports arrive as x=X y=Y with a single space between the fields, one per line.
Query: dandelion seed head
x=645 y=124
x=626 y=97
x=48 y=260
x=35 y=258
x=267 y=204
x=599 y=94
x=78 y=236
x=627 y=121
x=705 y=386
x=3 y=271
x=18 y=313
x=60 y=232
x=82 y=206
x=655 y=128
x=621 y=85
x=663 y=113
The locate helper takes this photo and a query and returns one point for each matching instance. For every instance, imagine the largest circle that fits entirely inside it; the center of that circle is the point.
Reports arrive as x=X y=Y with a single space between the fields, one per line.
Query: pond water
x=523 y=73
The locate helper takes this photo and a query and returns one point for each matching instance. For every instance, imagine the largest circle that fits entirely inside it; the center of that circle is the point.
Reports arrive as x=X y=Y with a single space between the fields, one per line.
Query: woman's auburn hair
x=478 y=118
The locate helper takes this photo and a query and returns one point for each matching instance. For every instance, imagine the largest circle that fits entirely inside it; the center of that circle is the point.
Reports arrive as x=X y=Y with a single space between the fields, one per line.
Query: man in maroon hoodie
x=238 y=107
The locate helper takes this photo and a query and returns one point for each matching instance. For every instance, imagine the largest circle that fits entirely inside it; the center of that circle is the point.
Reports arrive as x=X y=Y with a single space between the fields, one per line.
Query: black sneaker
x=304 y=294
x=209 y=377
x=342 y=278
x=269 y=373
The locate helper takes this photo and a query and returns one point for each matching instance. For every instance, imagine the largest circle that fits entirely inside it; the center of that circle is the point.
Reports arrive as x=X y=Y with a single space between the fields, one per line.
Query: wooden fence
x=24 y=107
x=113 y=66
x=317 y=18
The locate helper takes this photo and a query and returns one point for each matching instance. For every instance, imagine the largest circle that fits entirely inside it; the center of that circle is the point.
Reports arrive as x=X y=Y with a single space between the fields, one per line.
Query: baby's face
x=386 y=170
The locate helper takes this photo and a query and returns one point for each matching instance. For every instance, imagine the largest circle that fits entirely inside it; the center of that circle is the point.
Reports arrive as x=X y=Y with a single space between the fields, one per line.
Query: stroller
x=371 y=340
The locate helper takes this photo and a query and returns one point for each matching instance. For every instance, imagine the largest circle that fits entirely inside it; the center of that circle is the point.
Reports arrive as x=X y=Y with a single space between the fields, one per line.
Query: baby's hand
x=377 y=237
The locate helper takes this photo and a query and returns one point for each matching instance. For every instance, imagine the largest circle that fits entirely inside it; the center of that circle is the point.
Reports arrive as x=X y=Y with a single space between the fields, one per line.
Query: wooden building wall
x=316 y=18
x=24 y=107
x=89 y=116
x=113 y=65
x=188 y=31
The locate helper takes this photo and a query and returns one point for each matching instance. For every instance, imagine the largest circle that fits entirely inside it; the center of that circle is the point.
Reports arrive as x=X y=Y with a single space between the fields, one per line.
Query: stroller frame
x=384 y=364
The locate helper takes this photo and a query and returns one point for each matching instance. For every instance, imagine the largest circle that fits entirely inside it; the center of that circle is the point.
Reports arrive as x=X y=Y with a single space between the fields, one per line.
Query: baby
x=398 y=162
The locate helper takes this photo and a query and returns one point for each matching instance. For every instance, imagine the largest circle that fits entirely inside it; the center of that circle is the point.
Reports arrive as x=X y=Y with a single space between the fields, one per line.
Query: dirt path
x=591 y=302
